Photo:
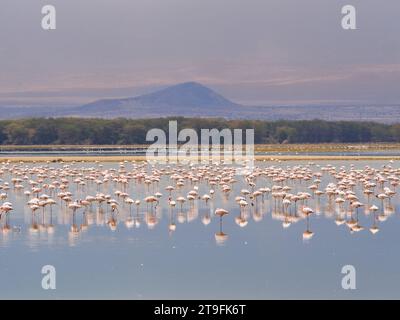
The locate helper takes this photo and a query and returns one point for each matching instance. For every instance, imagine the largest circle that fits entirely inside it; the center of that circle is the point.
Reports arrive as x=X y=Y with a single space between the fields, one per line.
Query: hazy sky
x=253 y=51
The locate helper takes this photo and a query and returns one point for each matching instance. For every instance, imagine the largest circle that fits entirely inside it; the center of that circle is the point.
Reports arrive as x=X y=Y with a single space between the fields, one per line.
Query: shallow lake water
x=157 y=251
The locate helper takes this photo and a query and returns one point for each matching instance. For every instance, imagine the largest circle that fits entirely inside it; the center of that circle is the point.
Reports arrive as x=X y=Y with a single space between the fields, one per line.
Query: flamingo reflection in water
x=101 y=194
x=220 y=236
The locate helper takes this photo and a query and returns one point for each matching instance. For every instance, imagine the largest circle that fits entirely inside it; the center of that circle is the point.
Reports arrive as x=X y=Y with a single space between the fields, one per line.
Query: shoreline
x=295 y=147
x=272 y=152
x=130 y=158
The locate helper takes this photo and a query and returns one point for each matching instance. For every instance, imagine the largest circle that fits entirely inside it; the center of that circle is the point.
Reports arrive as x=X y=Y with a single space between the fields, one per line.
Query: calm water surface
x=107 y=258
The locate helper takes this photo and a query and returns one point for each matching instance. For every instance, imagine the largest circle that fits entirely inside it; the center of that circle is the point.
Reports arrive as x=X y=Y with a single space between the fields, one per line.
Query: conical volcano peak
x=189 y=94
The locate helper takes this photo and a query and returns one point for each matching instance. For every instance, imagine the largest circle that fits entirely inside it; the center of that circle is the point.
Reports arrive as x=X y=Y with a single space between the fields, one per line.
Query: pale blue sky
x=253 y=51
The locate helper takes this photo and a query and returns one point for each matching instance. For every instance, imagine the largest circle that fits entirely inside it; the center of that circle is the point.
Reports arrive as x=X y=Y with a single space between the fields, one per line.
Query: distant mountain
x=188 y=94
x=189 y=98
x=192 y=99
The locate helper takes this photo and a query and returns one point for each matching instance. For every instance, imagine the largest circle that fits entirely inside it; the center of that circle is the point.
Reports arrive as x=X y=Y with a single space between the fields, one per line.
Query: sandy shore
x=142 y=158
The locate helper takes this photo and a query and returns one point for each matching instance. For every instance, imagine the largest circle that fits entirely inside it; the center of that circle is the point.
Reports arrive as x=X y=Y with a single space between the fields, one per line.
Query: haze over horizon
x=253 y=52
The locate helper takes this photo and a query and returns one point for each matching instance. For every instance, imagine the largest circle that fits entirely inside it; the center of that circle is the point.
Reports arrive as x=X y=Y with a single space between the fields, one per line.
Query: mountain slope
x=189 y=94
x=188 y=98
x=191 y=99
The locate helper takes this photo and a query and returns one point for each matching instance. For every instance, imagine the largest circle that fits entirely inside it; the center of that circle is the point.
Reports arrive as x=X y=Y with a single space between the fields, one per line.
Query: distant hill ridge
x=192 y=99
x=190 y=95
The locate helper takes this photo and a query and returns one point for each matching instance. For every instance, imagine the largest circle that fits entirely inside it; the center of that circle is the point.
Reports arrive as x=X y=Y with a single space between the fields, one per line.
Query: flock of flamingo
x=134 y=193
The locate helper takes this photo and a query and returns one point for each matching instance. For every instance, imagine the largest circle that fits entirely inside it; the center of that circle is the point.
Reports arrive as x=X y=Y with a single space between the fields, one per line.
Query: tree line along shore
x=122 y=131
